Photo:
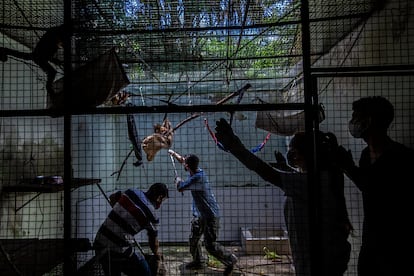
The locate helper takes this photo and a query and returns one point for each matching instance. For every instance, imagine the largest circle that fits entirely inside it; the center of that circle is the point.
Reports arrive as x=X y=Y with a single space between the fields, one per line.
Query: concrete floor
x=177 y=256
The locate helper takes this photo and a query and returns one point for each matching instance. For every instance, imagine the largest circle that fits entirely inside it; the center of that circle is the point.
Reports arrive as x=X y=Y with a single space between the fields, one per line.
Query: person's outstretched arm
x=345 y=162
x=225 y=135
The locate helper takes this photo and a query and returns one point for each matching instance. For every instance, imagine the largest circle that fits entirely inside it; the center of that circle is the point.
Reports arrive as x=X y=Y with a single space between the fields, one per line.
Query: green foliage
x=264 y=48
x=213 y=262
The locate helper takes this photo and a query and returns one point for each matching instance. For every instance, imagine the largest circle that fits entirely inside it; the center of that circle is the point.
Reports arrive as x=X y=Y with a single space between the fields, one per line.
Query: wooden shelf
x=29 y=186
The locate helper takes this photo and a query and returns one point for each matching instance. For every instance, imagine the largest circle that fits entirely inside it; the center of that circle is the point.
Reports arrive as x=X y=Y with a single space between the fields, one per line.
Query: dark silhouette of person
x=132 y=212
x=43 y=53
x=335 y=224
x=384 y=177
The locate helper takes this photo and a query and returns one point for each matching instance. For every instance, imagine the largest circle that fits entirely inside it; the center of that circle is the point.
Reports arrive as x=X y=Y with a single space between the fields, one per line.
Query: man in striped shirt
x=132 y=212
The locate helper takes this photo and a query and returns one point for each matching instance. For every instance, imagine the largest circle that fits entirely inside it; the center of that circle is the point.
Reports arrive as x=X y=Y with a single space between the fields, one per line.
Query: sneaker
x=229 y=268
x=195 y=265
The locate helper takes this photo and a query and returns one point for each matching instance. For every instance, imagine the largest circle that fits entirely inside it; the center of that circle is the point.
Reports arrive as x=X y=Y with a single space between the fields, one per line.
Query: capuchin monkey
x=43 y=53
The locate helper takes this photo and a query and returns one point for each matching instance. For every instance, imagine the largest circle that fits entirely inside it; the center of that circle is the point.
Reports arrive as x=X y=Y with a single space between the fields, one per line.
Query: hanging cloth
x=285 y=122
x=91 y=84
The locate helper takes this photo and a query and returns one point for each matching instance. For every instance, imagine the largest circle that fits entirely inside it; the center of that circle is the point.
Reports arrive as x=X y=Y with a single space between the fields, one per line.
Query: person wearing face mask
x=384 y=176
x=334 y=222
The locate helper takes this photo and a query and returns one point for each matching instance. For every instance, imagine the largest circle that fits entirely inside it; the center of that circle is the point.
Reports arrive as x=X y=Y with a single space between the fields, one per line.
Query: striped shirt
x=130 y=215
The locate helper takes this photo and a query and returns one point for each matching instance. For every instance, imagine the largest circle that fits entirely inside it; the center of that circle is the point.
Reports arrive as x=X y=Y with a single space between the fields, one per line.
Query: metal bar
x=27 y=202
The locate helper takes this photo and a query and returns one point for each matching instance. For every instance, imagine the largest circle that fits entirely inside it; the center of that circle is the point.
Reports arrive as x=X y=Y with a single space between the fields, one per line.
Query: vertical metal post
x=311 y=126
x=68 y=266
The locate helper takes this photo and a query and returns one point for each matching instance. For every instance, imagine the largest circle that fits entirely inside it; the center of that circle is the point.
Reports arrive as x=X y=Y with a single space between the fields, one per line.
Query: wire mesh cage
x=106 y=98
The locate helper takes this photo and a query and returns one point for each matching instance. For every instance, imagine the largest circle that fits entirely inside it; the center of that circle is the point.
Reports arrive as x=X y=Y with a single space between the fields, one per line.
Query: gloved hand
x=176 y=155
x=226 y=136
x=177 y=181
x=155 y=262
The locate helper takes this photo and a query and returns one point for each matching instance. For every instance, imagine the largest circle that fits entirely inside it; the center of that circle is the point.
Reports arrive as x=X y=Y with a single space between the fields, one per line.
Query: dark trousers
x=208 y=228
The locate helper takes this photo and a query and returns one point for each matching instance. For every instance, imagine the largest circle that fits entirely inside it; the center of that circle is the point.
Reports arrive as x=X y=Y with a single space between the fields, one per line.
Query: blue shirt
x=203 y=198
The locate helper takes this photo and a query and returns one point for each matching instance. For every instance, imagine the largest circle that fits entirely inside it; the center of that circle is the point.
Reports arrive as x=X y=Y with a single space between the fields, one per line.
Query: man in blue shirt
x=207 y=221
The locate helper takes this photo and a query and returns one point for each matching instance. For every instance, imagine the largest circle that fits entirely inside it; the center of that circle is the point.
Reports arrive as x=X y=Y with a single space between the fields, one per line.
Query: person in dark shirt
x=334 y=221
x=384 y=177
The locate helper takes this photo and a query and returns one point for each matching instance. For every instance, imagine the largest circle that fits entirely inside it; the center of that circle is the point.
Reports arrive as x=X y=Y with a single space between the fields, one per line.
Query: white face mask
x=357 y=128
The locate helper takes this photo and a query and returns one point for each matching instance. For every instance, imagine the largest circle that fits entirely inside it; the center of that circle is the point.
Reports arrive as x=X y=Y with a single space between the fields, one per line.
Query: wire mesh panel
x=32 y=198
x=99 y=100
x=245 y=200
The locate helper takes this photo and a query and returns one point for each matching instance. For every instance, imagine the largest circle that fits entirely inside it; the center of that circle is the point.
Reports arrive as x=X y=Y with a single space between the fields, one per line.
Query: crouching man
x=132 y=212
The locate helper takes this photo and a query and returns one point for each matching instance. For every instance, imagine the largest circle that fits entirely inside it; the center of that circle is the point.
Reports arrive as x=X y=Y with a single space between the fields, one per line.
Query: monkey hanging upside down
x=162 y=138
